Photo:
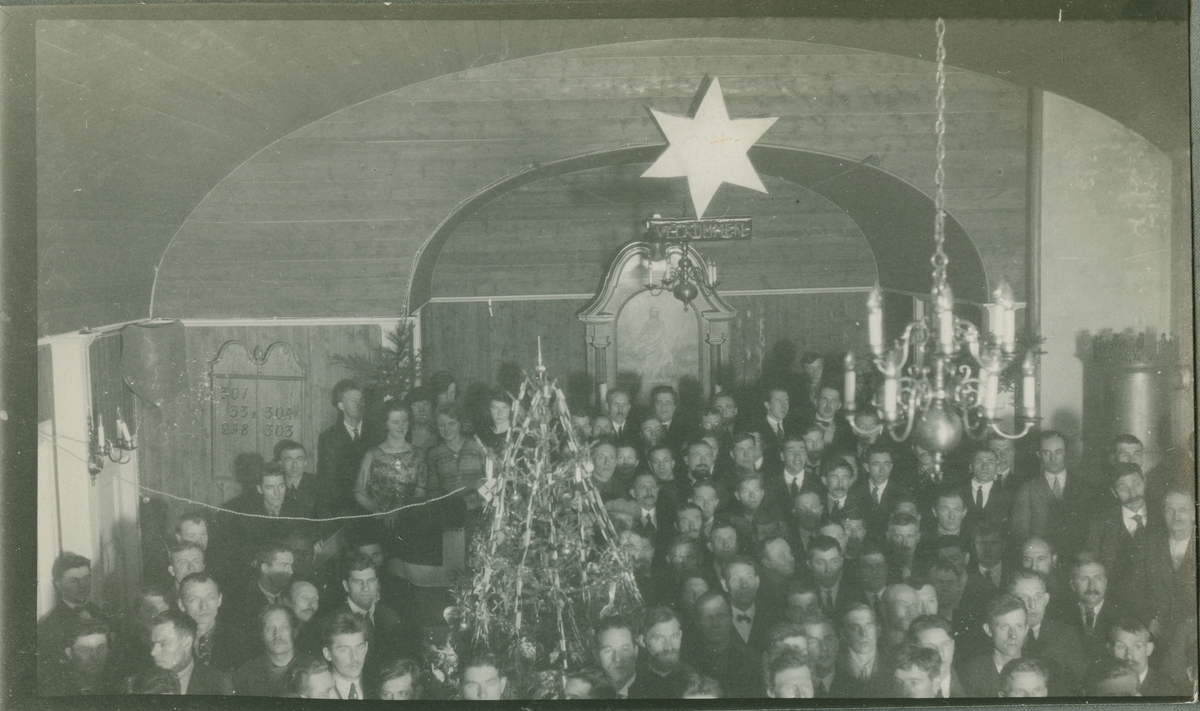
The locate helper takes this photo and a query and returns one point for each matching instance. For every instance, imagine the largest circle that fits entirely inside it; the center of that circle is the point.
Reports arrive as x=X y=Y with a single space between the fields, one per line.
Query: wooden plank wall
x=558 y=236
x=472 y=341
x=176 y=454
x=327 y=222
x=465 y=340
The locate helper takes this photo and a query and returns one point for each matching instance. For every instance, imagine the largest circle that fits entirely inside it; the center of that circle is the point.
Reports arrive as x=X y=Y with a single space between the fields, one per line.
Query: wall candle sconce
x=100 y=446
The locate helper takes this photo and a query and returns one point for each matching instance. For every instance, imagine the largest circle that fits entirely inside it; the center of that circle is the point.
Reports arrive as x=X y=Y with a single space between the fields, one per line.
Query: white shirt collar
x=1128 y=515
x=789 y=477
x=862 y=664
x=623 y=692
x=979 y=485
x=353 y=431
x=185 y=676
x=360 y=611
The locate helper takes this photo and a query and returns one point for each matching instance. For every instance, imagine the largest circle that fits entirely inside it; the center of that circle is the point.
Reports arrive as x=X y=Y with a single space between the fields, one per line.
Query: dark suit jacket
x=765 y=618
x=338 y=460
x=651 y=685
x=206 y=681
x=736 y=667
x=847 y=686
x=1158 y=683
x=1123 y=556
x=1172 y=592
x=54 y=633
x=1095 y=640
x=997 y=508
x=230 y=648
x=309 y=499
x=877 y=513
x=394 y=635
x=1061 y=648
x=979 y=677
x=1064 y=523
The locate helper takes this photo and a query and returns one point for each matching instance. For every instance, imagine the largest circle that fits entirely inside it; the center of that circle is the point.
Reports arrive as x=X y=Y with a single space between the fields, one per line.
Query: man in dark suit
x=269 y=508
x=341 y=447
x=1171 y=569
x=752 y=617
x=89 y=667
x=676 y=432
x=1055 y=643
x=172 y=639
x=393 y=635
x=986 y=498
x=1120 y=536
x=773 y=426
x=823 y=655
x=877 y=492
x=1130 y=641
x=1053 y=505
x=219 y=644
x=1007 y=626
x=795 y=478
x=836 y=591
x=619 y=403
x=1094 y=614
x=861 y=673
x=72 y=578
x=839 y=437
x=935 y=632
x=274 y=564
x=719 y=651
x=304 y=490
x=660 y=673
x=655 y=521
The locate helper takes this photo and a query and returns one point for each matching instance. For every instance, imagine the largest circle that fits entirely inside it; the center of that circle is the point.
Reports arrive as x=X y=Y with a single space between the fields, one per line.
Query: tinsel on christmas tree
x=546 y=561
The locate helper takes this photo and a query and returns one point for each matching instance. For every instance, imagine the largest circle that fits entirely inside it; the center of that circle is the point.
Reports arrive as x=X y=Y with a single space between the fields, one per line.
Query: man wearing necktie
x=644 y=493
x=985 y=498
x=341 y=447
x=1119 y=539
x=619 y=403
x=773 y=430
x=347 y=641
x=1055 y=506
x=1093 y=612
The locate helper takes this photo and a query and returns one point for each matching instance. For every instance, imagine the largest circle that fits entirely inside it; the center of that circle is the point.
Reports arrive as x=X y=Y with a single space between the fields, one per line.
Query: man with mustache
x=660 y=674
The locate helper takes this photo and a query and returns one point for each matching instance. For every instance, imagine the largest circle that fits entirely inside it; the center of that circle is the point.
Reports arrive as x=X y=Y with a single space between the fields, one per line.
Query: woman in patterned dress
x=392 y=474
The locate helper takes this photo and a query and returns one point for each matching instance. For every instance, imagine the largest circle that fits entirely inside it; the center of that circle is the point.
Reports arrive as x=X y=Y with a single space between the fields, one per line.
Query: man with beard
x=87 y=670
x=265 y=674
x=1055 y=643
x=346 y=647
x=1007 y=625
x=719 y=652
x=699 y=462
x=934 y=632
x=172 y=638
x=724 y=543
x=304 y=600
x=654 y=585
x=901 y=606
x=219 y=644
x=861 y=673
x=689 y=522
x=617 y=654
x=1120 y=536
x=660 y=674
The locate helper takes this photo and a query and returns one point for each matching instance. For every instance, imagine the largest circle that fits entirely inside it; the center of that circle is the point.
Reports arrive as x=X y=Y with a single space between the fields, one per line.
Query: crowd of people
x=781 y=550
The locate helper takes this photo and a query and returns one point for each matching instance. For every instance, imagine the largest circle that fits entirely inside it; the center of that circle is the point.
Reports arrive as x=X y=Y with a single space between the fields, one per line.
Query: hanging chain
x=939 y=259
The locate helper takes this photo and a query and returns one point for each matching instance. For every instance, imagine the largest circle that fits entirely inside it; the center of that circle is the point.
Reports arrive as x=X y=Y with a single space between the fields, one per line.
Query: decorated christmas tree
x=545 y=560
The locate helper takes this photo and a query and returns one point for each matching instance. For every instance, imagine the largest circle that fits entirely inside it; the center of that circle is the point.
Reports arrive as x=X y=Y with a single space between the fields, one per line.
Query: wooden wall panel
x=470 y=341
x=382 y=174
x=176 y=454
x=463 y=338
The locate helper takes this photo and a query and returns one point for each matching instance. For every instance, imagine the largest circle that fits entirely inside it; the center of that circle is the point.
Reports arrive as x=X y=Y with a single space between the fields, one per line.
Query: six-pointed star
x=709 y=149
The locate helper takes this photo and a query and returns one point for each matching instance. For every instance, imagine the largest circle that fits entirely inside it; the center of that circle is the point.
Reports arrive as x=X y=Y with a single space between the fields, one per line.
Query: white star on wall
x=709 y=149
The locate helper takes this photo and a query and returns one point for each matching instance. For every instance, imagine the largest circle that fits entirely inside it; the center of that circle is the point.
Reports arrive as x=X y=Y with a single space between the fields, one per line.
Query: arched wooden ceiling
x=137 y=120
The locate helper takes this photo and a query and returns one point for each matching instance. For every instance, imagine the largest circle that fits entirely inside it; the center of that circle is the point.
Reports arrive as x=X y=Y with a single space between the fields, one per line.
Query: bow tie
x=744 y=618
